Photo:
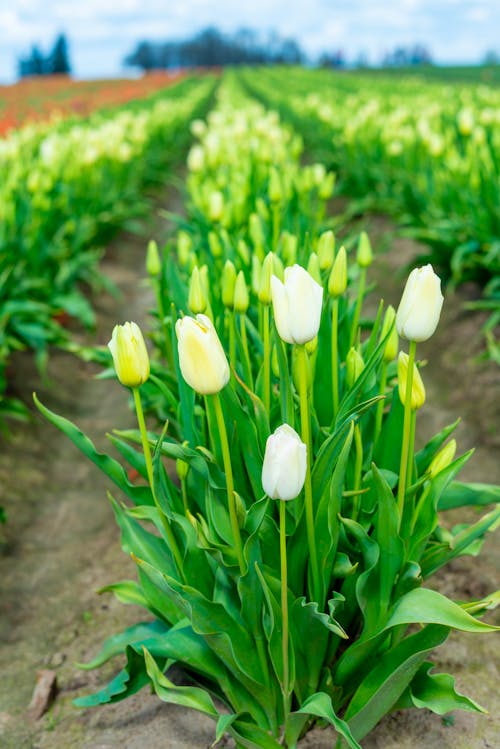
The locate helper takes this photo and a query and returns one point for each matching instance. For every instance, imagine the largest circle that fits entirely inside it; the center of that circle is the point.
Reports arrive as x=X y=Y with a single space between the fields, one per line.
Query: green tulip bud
x=354 y=366
x=241 y=296
x=326 y=249
x=153 y=263
x=197 y=300
x=337 y=282
x=184 y=245
x=214 y=244
x=243 y=251
x=443 y=458
x=265 y=279
x=417 y=390
x=256 y=274
x=275 y=190
x=216 y=206
x=313 y=268
x=130 y=355
x=289 y=247
x=325 y=189
x=228 y=284
x=392 y=343
x=364 y=257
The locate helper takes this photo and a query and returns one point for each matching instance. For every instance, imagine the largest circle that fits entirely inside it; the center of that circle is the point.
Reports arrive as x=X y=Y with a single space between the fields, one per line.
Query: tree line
x=53 y=63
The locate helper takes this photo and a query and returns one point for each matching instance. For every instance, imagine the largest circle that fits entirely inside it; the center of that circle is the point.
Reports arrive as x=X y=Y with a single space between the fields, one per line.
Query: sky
x=101 y=33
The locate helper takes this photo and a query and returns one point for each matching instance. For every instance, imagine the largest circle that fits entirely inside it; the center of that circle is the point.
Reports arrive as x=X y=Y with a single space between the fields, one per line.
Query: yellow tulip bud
x=325 y=189
x=243 y=251
x=364 y=257
x=417 y=390
x=197 y=300
x=241 y=297
x=326 y=249
x=216 y=206
x=443 y=458
x=130 y=355
x=392 y=343
x=182 y=466
x=202 y=360
x=214 y=244
x=228 y=283
x=265 y=279
x=153 y=263
x=354 y=366
x=256 y=233
x=262 y=209
x=313 y=268
x=337 y=282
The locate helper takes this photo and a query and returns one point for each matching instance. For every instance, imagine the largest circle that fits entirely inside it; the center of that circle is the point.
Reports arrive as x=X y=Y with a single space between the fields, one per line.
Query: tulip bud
x=130 y=355
x=216 y=206
x=243 y=251
x=214 y=244
x=262 y=209
x=196 y=158
x=417 y=390
x=278 y=269
x=182 y=466
x=354 y=366
x=318 y=172
x=275 y=190
x=313 y=268
x=289 y=247
x=391 y=346
x=312 y=345
x=337 y=282
x=265 y=279
x=202 y=359
x=228 y=283
x=256 y=234
x=153 y=263
x=184 y=245
x=364 y=257
x=325 y=189
x=285 y=462
x=326 y=249
x=197 y=300
x=297 y=305
x=420 y=306
x=443 y=458
x=241 y=297
x=275 y=365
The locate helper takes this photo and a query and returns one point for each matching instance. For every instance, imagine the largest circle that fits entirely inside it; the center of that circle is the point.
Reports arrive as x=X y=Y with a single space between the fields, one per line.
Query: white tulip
x=297 y=305
x=285 y=461
x=420 y=307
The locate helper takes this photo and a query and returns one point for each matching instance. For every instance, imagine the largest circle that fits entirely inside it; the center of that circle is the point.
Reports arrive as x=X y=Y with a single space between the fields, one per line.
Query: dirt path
x=62 y=544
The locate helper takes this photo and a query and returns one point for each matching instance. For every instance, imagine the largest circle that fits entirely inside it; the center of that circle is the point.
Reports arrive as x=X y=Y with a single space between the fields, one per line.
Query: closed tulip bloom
x=153 y=262
x=228 y=283
x=417 y=390
x=326 y=249
x=130 y=355
x=241 y=296
x=364 y=256
x=337 y=282
x=197 y=300
x=391 y=346
x=443 y=458
x=297 y=305
x=216 y=206
x=284 y=467
x=354 y=366
x=313 y=267
x=202 y=359
x=420 y=307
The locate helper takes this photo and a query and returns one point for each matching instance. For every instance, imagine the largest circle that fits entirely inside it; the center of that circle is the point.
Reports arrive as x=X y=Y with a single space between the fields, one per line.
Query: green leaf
x=320 y=705
x=437 y=692
x=458 y=494
x=138 y=494
x=146 y=633
x=383 y=685
x=128 y=682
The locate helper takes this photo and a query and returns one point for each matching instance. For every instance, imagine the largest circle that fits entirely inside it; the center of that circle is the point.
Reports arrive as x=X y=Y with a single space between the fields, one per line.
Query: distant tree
x=334 y=59
x=143 y=57
x=491 y=58
x=58 y=60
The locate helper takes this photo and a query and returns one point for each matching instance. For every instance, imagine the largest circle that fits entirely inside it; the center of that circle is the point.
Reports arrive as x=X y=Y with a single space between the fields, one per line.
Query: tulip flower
x=326 y=249
x=337 y=282
x=391 y=346
x=364 y=256
x=354 y=366
x=420 y=307
x=297 y=305
x=443 y=458
x=228 y=283
x=153 y=262
x=197 y=301
x=202 y=359
x=130 y=355
x=284 y=467
x=216 y=206
x=241 y=296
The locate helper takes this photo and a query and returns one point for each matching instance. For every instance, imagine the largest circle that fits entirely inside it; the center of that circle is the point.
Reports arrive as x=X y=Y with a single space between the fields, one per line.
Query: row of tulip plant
x=284 y=555
x=427 y=152
x=66 y=187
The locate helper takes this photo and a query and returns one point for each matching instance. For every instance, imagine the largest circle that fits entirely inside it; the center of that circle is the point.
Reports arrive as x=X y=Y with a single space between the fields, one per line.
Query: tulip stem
x=403 y=469
x=284 y=612
x=232 y=339
x=184 y=496
x=335 y=357
x=276 y=225
x=308 y=498
x=379 y=414
x=246 y=354
x=149 y=468
x=226 y=457
x=267 y=358
x=358 y=466
x=357 y=308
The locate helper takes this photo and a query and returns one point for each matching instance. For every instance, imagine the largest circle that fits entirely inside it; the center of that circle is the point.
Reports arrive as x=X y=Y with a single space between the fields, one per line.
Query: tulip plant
x=285 y=565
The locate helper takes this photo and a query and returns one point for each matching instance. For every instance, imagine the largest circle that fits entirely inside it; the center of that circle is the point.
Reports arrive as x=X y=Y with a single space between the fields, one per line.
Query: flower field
x=297 y=503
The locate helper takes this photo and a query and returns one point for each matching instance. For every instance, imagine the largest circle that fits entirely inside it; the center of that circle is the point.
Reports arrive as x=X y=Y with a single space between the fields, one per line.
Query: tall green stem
x=403 y=469
x=335 y=357
x=226 y=457
x=149 y=468
x=284 y=612
x=308 y=498
x=276 y=225
x=267 y=358
x=232 y=338
x=379 y=414
x=357 y=309
x=246 y=352
x=358 y=466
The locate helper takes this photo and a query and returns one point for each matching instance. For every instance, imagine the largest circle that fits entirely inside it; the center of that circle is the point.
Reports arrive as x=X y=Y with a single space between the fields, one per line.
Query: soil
x=61 y=543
